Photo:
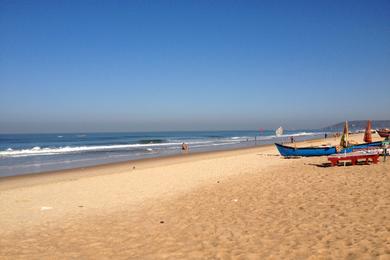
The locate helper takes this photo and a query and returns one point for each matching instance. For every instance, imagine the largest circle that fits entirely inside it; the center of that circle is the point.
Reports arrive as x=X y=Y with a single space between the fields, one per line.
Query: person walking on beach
x=184 y=147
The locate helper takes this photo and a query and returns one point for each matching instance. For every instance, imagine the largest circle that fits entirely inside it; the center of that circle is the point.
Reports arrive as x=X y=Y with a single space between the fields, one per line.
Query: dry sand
x=242 y=204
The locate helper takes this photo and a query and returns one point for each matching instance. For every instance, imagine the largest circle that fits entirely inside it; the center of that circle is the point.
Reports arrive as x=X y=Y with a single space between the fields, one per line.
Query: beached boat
x=288 y=151
x=361 y=146
x=385 y=132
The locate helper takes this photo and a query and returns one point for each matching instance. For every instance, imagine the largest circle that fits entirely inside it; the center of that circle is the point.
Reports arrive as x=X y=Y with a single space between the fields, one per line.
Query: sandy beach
x=240 y=204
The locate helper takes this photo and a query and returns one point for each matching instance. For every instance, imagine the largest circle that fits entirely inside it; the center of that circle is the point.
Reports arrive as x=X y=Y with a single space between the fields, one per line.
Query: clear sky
x=191 y=65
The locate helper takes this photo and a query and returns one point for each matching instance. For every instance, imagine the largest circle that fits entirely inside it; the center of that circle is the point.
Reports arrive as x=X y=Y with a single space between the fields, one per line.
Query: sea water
x=33 y=153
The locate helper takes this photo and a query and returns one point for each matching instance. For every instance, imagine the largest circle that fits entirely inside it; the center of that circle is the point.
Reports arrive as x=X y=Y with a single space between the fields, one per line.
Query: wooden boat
x=385 y=132
x=361 y=146
x=289 y=151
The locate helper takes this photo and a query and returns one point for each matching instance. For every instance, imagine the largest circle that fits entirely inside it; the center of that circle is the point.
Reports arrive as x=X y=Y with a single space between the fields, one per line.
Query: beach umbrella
x=367 y=133
x=344 y=138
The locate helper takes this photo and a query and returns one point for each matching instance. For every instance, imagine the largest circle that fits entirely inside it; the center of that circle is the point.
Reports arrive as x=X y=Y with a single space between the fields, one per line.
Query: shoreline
x=27 y=164
x=112 y=168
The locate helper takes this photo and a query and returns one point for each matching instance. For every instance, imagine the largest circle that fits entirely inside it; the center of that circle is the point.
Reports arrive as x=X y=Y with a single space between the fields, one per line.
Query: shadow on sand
x=342 y=164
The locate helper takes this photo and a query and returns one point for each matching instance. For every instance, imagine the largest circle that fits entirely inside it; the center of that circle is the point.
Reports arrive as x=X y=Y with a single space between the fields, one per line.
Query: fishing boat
x=361 y=146
x=289 y=151
x=344 y=147
x=384 y=132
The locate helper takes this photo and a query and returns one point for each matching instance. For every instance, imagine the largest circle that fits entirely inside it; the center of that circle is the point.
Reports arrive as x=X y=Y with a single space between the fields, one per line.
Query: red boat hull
x=383 y=132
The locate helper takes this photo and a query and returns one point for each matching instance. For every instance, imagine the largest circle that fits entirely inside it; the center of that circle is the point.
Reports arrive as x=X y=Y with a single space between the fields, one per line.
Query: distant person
x=184 y=147
x=292 y=139
x=326 y=135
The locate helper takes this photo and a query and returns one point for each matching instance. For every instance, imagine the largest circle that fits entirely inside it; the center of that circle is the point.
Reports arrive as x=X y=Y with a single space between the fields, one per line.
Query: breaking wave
x=78 y=149
x=152 y=141
x=146 y=144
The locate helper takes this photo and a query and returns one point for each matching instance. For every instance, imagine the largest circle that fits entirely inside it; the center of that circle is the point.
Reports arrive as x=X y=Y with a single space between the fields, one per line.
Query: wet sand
x=245 y=204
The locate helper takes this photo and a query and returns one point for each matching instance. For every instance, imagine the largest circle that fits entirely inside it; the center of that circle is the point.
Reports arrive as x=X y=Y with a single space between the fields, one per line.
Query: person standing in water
x=184 y=147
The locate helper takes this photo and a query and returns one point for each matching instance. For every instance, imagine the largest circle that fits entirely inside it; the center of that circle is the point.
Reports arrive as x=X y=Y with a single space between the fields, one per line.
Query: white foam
x=67 y=149
x=240 y=138
x=79 y=149
x=304 y=133
x=288 y=135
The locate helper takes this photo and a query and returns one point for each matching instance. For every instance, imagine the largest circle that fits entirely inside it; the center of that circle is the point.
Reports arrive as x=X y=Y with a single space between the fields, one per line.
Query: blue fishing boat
x=289 y=151
x=361 y=146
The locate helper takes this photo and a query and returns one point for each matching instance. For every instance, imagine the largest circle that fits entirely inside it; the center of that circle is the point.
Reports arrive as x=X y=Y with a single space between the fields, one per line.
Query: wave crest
x=78 y=149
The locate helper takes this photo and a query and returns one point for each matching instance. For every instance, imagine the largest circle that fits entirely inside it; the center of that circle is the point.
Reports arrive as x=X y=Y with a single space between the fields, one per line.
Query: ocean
x=33 y=153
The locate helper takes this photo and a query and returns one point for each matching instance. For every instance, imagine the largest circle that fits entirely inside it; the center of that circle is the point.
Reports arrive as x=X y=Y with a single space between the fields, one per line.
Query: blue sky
x=191 y=65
